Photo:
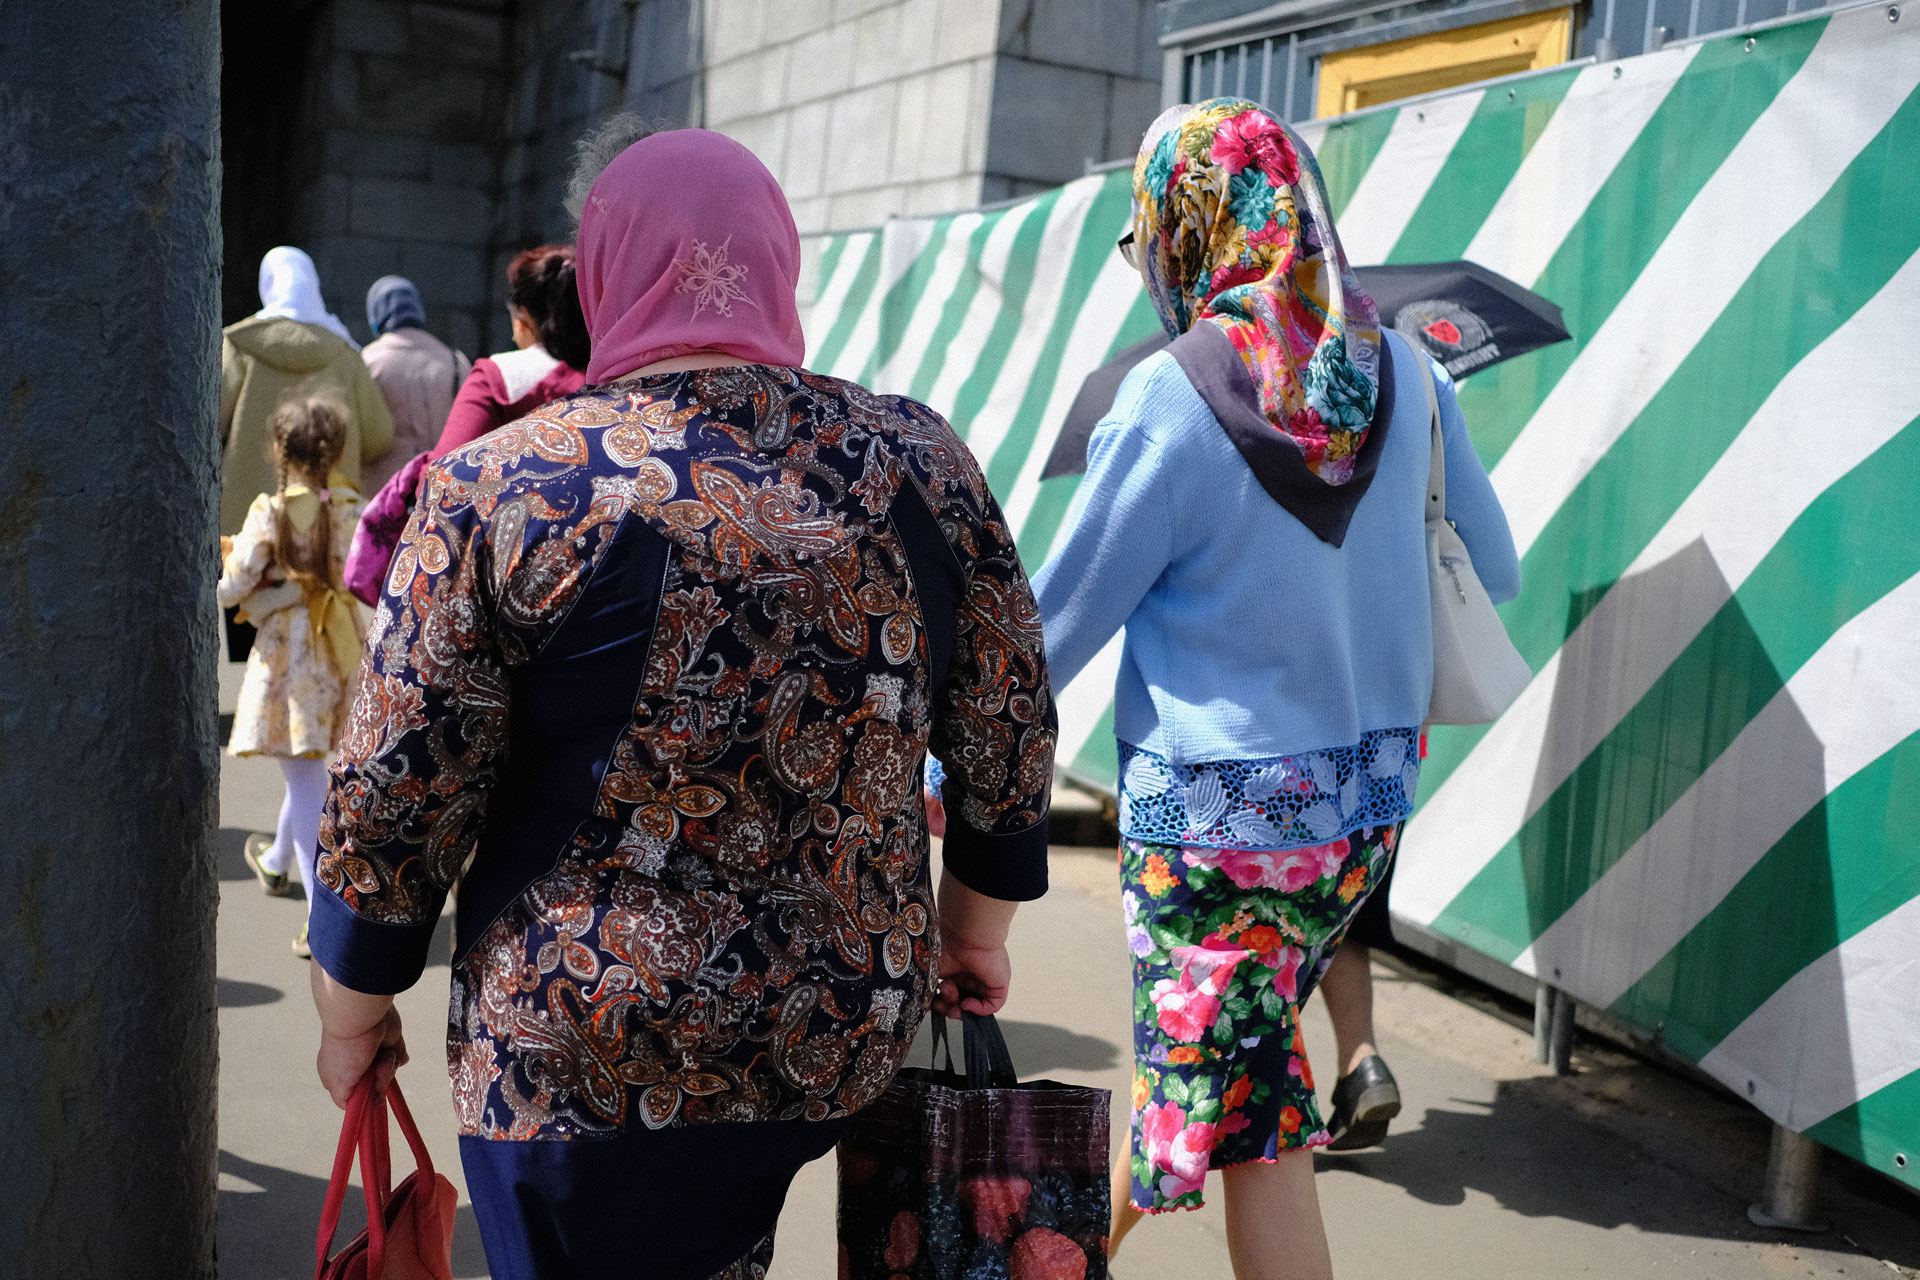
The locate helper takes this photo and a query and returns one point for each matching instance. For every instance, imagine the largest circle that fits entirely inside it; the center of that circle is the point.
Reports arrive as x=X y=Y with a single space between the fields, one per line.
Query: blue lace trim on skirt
x=1274 y=802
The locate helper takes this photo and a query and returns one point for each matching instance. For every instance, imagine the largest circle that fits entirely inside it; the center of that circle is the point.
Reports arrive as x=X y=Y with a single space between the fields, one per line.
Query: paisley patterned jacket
x=657 y=666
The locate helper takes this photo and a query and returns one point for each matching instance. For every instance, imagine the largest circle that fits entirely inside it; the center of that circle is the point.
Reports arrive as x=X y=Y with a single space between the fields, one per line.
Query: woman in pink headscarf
x=657 y=665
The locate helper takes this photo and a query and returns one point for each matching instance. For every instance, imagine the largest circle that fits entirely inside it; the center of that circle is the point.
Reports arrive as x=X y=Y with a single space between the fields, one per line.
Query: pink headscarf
x=687 y=244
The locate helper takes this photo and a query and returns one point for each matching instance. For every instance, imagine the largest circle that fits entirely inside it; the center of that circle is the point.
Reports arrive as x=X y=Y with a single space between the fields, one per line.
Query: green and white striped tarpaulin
x=1702 y=815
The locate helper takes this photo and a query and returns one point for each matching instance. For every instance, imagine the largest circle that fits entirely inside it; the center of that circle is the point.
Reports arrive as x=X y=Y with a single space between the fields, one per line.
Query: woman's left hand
x=358 y=1033
x=975 y=970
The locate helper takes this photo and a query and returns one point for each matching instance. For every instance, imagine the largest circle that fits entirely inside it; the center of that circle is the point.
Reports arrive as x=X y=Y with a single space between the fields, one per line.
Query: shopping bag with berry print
x=975 y=1176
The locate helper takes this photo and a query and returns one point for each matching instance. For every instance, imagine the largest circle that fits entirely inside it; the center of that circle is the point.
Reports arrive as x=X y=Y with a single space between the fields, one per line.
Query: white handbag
x=1477 y=673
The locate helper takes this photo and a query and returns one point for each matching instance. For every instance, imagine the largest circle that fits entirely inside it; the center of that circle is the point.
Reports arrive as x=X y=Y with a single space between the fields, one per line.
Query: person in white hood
x=291 y=349
x=290 y=289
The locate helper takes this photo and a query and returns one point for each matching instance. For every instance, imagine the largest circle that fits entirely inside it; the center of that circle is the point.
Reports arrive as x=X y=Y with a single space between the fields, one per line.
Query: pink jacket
x=502 y=388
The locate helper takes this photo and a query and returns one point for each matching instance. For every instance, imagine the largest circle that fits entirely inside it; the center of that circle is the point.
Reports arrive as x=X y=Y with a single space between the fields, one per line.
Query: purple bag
x=975 y=1176
x=378 y=532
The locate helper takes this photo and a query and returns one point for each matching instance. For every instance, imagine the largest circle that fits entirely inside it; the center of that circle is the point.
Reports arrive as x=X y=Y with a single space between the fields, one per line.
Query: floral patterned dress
x=293 y=699
x=1240 y=879
x=1227 y=946
x=663 y=658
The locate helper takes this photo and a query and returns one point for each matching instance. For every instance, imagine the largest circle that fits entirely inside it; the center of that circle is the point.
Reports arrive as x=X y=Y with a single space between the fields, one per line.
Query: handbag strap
x=411 y=1131
x=342 y=1167
x=356 y=1134
x=989 y=1065
x=1437 y=468
x=983 y=1047
x=364 y=1130
x=376 y=1179
x=939 y=1043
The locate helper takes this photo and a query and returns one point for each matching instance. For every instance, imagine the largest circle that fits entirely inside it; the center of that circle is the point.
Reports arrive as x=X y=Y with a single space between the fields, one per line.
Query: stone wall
x=399 y=156
x=869 y=108
x=575 y=62
x=434 y=136
x=1076 y=81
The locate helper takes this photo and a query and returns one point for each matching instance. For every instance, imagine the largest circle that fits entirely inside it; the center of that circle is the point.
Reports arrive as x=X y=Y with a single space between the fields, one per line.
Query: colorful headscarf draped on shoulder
x=1242 y=260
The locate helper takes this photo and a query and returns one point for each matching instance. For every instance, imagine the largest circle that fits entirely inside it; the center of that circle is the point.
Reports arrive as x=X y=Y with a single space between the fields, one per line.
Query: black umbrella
x=1463 y=315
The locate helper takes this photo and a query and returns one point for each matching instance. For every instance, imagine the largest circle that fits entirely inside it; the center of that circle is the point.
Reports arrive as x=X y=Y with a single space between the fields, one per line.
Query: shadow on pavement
x=268 y=1234
x=1522 y=1152
x=235 y=994
x=1039 y=1046
x=227 y=856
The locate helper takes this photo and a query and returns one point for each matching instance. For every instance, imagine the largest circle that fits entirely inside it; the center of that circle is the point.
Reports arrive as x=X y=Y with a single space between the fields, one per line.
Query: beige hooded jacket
x=266 y=361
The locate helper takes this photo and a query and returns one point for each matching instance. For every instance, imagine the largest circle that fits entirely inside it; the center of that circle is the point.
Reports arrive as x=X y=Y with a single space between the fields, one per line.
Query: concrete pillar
x=109 y=342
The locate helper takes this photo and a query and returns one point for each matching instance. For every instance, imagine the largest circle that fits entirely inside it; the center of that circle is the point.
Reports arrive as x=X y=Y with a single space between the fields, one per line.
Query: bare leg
x=1274 y=1231
x=1125 y=1216
x=1347 y=986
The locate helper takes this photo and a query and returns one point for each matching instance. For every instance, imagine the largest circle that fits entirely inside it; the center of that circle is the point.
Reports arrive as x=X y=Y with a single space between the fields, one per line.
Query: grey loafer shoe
x=1365 y=1100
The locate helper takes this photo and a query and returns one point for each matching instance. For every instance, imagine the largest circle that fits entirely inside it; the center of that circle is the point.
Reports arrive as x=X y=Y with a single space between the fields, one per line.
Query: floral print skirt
x=1227 y=946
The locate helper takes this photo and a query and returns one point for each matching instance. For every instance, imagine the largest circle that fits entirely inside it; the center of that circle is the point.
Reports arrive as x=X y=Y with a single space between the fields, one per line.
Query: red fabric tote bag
x=409 y=1233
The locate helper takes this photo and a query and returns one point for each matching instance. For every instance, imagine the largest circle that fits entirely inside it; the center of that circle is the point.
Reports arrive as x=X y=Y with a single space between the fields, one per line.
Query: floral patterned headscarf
x=1233 y=228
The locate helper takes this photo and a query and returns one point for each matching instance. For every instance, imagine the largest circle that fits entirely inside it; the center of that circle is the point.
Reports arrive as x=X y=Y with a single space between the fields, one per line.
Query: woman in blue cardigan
x=1253 y=516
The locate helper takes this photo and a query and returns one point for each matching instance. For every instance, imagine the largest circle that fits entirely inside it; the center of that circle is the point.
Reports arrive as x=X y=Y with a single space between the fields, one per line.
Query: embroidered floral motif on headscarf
x=711 y=279
x=1232 y=219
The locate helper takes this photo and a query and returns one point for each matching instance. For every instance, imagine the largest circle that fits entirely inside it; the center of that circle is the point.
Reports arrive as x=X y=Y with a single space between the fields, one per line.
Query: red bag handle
x=421 y=1160
x=376 y=1180
x=365 y=1129
x=353 y=1134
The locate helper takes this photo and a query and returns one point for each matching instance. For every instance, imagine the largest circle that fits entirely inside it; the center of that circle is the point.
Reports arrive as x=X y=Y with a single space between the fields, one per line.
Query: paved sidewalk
x=1496 y=1171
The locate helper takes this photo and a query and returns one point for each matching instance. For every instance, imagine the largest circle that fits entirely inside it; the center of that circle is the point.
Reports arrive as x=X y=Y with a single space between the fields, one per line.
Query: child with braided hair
x=284 y=572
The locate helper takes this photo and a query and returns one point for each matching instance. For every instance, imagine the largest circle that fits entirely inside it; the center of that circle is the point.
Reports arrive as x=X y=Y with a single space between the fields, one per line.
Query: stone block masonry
x=867 y=109
x=400 y=155
x=434 y=137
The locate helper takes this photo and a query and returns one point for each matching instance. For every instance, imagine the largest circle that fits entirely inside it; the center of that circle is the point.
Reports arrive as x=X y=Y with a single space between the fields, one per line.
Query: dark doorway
x=263 y=74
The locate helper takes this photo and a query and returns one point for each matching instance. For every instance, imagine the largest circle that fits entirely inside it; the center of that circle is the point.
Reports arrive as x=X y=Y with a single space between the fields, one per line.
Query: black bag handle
x=989 y=1064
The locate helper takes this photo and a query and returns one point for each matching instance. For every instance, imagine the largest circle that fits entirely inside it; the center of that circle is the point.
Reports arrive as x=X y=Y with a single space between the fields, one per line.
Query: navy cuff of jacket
x=368 y=956
x=1011 y=867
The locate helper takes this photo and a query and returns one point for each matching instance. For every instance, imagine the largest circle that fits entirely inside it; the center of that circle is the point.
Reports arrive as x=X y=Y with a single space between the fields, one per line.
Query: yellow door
x=1376 y=73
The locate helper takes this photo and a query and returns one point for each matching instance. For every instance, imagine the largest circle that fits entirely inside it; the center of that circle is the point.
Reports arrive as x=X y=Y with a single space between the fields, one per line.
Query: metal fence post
x=1560 y=1051
x=1793 y=1184
x=1553 y=1027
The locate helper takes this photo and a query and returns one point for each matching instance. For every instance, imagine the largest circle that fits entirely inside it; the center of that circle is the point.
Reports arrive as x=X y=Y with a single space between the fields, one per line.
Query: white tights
x=298 y=835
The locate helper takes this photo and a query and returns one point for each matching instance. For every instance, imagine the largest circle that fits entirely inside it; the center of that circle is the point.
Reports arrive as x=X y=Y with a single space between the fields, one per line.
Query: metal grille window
x=1267 y=71
x=1275 y=63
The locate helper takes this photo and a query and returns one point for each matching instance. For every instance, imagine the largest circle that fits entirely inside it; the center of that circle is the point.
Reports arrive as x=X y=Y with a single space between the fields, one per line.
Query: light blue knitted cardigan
x=1248 y=637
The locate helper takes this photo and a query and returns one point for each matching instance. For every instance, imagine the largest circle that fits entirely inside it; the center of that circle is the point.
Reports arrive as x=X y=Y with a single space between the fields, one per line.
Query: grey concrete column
x=109 y=333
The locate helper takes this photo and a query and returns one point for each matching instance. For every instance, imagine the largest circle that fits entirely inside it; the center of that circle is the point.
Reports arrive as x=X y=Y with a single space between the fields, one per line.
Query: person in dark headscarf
x=1253 y=516
x=418 y=374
